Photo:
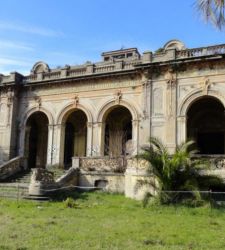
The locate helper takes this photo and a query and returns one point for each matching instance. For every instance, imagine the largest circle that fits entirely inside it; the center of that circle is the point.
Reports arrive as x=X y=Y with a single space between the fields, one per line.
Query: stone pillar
x=137 y=170
x=181 y=129
x=89 y=148
x=170 y=125
x=24 y=144
x=50 y=145
x=58 y=144
x=98 y=139
x=144 y=123
x=135 y=136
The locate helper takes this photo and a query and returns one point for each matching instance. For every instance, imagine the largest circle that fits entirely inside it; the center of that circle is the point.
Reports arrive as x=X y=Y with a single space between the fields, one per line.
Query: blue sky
x=75 y=31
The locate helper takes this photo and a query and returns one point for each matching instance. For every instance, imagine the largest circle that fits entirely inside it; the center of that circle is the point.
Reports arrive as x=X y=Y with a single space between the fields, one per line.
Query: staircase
x=16 y=187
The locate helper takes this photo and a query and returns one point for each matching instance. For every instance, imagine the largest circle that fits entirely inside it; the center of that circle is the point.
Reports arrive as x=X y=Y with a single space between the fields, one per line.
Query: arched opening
x=36 y=140
x=118 y=132
x=206 y=125
x=75 y=136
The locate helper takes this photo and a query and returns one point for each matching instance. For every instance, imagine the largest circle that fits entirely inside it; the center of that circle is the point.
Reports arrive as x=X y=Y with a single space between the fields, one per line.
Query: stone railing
x=198 y=52
x=55 y=75
x=113 y=66
x=11 y=167
x=43 y=182
x=104 y=68
x=215 y=161
x=216 y=165
x=78 y=71
x=101 y=164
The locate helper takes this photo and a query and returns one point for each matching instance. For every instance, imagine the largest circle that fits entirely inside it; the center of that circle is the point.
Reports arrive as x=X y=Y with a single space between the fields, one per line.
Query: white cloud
x=8 y=65
x=6 y=25
x=13 y=62
x=4 y=44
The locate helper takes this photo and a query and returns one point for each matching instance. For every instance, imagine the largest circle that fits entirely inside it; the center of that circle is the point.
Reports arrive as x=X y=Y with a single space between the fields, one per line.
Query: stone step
x=17 y=186
x=13 y=190
x=36 y=198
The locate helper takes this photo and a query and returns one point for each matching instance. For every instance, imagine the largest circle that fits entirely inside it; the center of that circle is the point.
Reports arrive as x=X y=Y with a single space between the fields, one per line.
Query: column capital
x=60 y=125
x=100 y=124
x=50 y=126
x=90 y=124
x=181 y=118
x=135 y=122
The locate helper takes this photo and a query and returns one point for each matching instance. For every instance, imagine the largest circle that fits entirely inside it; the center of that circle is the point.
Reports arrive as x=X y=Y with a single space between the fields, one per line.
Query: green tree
x=213 y=11
x=178 y=172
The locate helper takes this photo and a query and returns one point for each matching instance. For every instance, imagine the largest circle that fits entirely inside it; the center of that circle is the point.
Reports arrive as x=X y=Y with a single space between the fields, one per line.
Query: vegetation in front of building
x=178 y=177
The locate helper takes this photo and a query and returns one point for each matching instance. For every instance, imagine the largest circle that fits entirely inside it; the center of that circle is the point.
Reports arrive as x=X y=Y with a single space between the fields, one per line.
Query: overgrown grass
x=107 y=221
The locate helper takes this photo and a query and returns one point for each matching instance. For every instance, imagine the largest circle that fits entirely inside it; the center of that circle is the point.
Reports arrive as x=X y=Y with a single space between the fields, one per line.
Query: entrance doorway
x=118 y=132
x=206 y=125
x=75 y=136
x=36 y=140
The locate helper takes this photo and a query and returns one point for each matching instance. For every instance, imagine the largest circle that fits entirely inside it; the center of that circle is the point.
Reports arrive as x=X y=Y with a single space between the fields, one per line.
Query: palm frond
x=180 y=171
x=213 y=11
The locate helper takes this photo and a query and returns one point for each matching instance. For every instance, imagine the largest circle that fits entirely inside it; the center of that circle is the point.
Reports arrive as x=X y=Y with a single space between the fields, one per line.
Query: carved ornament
x=118 y=96
x=170 y=78
x=76 y=101
x=205 y=85
x=38 y=102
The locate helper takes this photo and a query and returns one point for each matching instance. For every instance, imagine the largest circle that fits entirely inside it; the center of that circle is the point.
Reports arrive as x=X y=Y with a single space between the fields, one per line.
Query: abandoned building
x=96 y=116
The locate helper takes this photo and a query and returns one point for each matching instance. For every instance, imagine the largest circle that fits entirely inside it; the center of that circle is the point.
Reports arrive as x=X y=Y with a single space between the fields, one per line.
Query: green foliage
x=70 y=203
x=177 y=172
x=159 y=50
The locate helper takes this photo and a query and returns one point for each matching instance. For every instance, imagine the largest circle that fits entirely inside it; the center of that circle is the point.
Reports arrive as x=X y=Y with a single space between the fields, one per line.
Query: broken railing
x=101 y=164
x=11 y=167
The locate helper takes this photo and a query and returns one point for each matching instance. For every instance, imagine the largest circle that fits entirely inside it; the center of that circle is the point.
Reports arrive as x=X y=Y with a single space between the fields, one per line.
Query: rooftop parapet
x=115 y=61
x=13 y=78
x=125 y=54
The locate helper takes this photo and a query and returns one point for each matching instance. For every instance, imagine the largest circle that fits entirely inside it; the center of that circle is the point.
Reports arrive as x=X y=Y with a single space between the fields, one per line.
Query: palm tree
x=213 y=11
x=177 y=172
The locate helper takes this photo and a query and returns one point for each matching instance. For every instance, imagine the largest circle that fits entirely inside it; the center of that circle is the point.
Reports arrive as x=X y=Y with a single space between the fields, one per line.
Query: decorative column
x=50 y=145
x=89 y=148
x=135 y=136
x=98 y=139
x=170 y=128
x=181 y=129
x=58 y=145
x=145 y=116
x=24 y=144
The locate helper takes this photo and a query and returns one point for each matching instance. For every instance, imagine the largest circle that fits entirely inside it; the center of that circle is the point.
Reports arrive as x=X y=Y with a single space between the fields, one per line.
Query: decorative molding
x=10 y=96
x=38 y=102
x=170 y=78
x=118 y=96
x=76 y=101
x=205 y=85
x=158 y=101
x=89 y=124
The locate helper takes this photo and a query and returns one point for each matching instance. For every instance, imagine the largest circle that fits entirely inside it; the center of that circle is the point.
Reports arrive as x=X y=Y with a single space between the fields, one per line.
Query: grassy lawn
x=105 y=221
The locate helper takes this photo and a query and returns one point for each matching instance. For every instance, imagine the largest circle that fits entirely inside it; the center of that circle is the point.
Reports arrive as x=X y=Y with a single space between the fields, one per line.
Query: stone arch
x=36 y=138
x=69 y=108
x=40 y=67
x=174 y=44
x=192 y=97
x=35 y=109
x=107 y=107
x=68 y=127
x=205 y=123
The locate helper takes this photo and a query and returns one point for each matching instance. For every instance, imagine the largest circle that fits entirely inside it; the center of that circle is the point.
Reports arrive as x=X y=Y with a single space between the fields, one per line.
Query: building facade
x=109 y=109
